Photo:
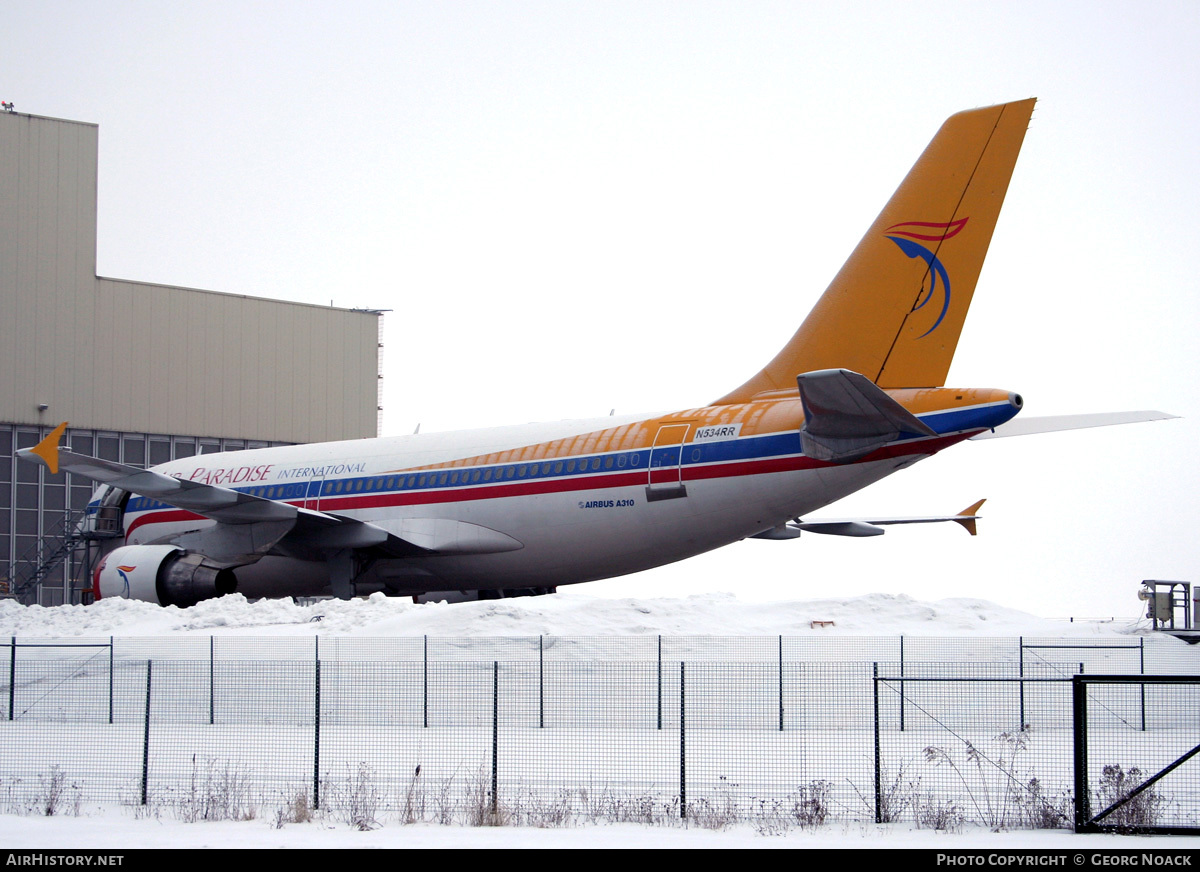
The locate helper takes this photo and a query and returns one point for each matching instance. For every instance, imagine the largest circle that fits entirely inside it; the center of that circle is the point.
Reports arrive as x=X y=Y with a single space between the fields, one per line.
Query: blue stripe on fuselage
x=767 y=447
x=973 y=418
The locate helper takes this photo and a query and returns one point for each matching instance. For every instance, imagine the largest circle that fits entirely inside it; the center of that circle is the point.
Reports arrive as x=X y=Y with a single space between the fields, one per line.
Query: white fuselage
x=576 y=500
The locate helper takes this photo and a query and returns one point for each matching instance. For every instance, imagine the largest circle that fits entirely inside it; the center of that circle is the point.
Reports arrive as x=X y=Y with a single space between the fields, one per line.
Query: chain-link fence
x=550 y=729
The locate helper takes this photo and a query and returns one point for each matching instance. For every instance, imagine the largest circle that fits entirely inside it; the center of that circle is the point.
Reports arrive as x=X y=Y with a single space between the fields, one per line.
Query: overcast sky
x=574 y=207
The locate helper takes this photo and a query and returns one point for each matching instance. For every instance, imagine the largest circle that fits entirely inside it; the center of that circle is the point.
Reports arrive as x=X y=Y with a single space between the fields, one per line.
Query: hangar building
x=144 y=373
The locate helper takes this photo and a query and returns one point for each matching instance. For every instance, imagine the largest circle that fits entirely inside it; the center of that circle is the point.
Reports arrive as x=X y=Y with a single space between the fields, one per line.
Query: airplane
x=856 y=394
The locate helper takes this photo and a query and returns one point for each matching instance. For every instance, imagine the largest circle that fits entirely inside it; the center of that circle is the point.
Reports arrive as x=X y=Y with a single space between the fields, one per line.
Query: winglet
x=47 y=449
x=967 y=517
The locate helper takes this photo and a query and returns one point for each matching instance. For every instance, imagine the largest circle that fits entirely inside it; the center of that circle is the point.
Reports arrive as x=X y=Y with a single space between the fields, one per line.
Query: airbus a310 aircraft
x=855 y=395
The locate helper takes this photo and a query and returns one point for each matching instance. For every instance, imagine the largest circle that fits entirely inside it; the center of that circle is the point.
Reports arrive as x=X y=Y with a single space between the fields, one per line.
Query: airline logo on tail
x=905 y=235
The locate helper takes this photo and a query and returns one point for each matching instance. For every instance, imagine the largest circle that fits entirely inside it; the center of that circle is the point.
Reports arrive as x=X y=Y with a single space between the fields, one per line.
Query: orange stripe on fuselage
x=591 y=482
x=775 y=415
x=756 y=419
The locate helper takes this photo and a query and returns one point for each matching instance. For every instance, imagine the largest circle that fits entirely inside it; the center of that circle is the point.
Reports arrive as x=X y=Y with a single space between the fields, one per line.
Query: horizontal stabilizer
x=859 y=527
x=856 y=529
x=965 y=519
x=846 y=416
x=1057 y=423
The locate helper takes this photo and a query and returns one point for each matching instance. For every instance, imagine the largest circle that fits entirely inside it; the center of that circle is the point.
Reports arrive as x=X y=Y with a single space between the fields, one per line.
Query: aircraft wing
x=249 y=526
x=868 y=526
x=219 y=503
x=1056 y=423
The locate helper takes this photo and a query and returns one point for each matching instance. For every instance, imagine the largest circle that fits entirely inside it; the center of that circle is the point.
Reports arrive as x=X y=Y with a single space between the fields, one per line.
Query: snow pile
x=570 y=614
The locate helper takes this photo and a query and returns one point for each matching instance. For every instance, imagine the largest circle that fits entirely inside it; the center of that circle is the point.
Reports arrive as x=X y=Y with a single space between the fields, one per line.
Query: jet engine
x=162 y=574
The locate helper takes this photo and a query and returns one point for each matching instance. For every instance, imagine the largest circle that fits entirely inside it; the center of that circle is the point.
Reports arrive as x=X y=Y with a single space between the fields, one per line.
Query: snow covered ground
x=565 y=614
x=569 y=614
x=118 y=830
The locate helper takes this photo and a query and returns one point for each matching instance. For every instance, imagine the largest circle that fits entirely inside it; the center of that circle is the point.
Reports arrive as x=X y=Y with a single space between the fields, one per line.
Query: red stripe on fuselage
x=731 y=469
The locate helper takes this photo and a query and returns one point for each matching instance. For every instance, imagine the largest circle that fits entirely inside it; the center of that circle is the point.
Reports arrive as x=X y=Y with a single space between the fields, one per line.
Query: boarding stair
x=76 y=539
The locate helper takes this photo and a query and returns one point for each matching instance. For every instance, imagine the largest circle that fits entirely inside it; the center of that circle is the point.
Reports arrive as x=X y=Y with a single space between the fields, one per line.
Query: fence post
x=1142 y=671
x=110 y=679
x=781 y=682
x=878 y=773
x=541 y=689
x=1079 y=718
x=425 y=683
x=660 y=682
x=902 y=683
x=1021 y=674
x=146 y=738
x=682 y=747
x=212 y=683
x=317 y=730
x=12 y=677
x=495 y=734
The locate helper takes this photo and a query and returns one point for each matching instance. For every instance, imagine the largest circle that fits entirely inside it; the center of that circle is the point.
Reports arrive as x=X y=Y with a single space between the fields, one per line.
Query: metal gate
x=1135 y=772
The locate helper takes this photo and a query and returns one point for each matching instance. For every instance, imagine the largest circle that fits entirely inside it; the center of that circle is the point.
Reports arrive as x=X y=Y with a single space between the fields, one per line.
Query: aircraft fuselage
x=568 y=501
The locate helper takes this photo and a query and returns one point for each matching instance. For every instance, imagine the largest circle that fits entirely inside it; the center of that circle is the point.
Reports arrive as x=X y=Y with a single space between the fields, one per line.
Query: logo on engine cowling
x=121 y=570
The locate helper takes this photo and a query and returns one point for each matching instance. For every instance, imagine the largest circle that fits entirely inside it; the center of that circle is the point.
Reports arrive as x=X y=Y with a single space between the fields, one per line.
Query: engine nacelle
x=162 y=574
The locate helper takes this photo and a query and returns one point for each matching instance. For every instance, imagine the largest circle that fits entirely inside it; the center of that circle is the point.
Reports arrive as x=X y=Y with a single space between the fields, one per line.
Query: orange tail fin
x=895 y=310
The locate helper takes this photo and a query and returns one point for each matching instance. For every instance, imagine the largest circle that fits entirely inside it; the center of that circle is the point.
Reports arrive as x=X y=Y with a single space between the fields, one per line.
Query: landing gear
x=470 y=596
x=341 y=574
x=516 y=591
